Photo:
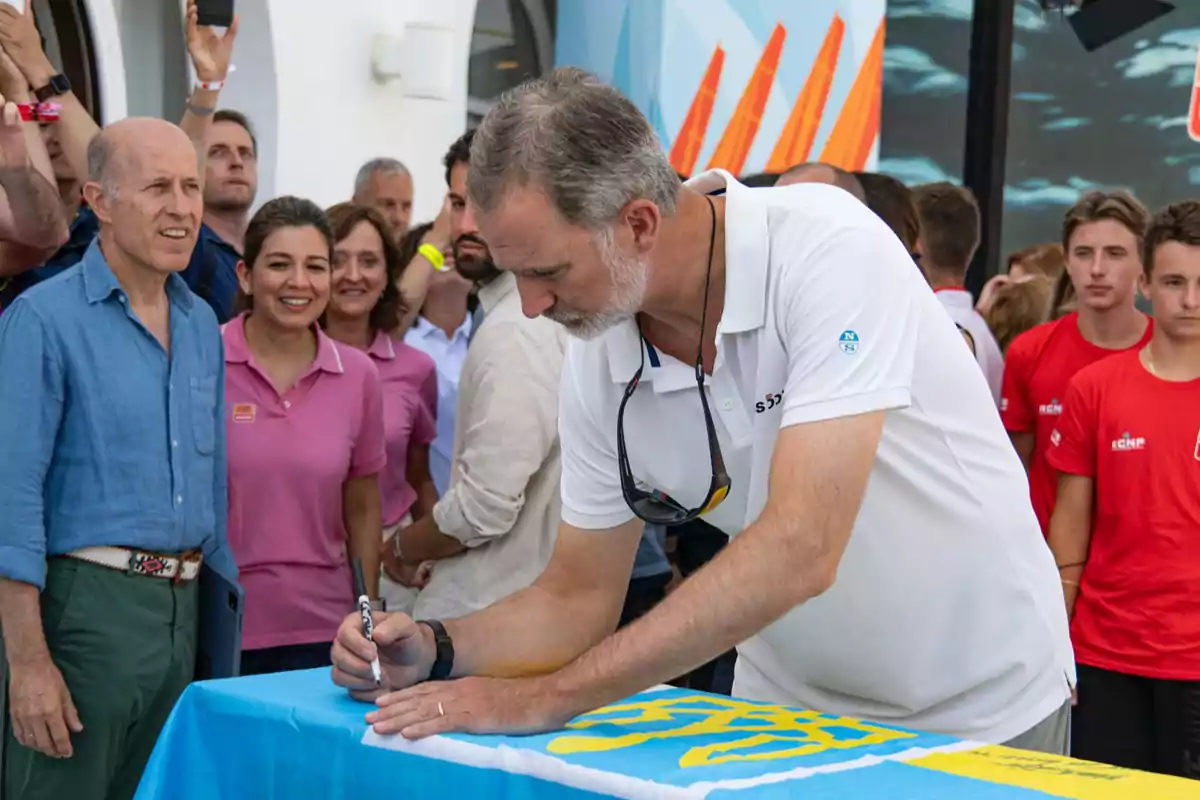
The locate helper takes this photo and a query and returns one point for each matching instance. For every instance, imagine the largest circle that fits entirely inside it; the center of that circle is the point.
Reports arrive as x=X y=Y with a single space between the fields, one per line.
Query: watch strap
x=57 y=85
x=443 y=662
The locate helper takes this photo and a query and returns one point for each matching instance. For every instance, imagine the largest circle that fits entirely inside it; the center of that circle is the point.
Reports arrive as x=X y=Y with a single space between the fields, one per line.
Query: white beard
x=629 y=276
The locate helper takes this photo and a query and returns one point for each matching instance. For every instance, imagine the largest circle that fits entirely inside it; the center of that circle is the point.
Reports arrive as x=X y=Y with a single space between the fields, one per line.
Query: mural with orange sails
x=851 y=141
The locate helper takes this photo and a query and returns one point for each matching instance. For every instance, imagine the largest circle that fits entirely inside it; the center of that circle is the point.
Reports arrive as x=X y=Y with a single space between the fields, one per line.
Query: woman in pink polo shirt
x=365 y=306
x=306 y=445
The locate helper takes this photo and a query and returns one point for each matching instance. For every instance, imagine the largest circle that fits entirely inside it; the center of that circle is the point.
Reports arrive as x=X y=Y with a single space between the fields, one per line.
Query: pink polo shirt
x=289 y=457
x=410 y=396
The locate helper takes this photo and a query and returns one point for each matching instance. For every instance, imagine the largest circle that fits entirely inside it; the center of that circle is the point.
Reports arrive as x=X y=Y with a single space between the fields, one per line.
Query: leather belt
x=185 y=567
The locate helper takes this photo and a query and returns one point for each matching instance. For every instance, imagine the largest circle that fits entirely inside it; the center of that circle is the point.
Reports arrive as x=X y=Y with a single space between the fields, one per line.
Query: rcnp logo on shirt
x=848 y=341
x=1051 y=409
x=1128 y=442
x=1055 y=437
x=1004 y=404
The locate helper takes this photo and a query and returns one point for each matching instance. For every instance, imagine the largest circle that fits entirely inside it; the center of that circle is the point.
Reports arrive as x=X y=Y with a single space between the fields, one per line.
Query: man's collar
x=956 y=296
x=425 y=329
x=99 y=282
x=625 y=351
x=237 y=350
x=747 y=250
x=491 y=293
x=209 y=236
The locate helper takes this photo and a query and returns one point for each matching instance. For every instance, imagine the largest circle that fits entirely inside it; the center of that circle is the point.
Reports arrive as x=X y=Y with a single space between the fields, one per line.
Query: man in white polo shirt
x=885 y=560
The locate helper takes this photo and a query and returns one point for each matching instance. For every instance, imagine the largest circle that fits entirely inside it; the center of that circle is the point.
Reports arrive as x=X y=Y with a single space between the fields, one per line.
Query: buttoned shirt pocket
x=203 y=411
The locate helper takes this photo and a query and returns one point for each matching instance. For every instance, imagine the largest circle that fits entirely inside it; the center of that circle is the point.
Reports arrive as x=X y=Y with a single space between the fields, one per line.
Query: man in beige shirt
x=493 y=531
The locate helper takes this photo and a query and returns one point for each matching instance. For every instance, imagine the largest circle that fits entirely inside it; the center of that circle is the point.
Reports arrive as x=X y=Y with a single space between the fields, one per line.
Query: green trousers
x=126 y=646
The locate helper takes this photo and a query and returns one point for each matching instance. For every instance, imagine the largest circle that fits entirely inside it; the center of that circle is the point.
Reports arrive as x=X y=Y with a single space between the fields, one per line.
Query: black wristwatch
x=443 y=662
x=58 y=85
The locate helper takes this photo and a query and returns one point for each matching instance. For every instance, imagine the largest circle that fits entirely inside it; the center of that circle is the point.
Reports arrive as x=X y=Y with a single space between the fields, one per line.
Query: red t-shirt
x=1037 y=368
x=1138 y=438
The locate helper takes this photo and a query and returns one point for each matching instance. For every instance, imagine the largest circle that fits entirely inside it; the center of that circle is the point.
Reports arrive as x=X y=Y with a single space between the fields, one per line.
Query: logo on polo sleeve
x=848 y=341
x=244 y=412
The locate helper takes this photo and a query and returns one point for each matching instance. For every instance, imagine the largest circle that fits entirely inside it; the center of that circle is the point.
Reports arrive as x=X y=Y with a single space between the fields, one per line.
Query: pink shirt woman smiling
x=305 y=422
x=364 y=308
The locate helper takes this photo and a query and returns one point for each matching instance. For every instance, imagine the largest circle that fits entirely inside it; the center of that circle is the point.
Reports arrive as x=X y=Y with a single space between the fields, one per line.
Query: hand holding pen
x=364 y=609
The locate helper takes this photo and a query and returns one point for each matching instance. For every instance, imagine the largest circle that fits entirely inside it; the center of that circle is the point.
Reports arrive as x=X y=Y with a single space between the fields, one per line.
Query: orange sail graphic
x=801 y=129
x=854 y=134
x=739 y=135
x=1194 y=111
x=687 y=145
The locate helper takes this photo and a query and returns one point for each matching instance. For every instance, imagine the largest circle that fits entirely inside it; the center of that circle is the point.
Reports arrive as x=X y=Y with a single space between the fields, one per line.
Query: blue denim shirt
x=107 y=440
x=212 y=273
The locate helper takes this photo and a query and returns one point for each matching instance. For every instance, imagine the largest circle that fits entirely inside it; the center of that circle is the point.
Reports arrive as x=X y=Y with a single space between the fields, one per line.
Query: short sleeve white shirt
x=961 y=307
x=946 y=614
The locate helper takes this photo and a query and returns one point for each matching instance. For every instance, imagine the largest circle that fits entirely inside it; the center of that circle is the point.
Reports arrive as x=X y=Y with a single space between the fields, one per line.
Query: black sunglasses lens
x=657 y=512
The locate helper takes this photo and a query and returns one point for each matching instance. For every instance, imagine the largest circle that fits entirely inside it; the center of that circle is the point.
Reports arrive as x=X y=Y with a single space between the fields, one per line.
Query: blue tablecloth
x=295 y=735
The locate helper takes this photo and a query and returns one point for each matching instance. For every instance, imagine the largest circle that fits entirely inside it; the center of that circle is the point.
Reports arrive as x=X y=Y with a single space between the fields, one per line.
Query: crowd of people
x=893 y=507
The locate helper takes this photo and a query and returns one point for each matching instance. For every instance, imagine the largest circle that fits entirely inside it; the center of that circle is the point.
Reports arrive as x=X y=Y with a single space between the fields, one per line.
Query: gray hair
x=377 y=166
x=581 y=141
x=101 y=158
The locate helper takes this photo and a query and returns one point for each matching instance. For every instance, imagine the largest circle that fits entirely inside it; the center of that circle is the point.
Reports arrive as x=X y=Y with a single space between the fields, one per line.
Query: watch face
x=58 y=85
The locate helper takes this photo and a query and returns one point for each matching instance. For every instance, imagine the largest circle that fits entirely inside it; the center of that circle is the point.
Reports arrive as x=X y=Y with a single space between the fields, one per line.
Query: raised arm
x=75 y=126
x=210 y=53
x=414 y=281
x=34 y=226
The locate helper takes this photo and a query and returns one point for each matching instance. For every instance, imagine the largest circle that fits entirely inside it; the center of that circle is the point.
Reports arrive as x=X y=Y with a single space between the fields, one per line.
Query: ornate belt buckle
x=149 y=564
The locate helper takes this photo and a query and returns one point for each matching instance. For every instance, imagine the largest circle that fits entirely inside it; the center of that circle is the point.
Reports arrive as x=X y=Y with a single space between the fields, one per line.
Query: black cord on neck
x=712 y=243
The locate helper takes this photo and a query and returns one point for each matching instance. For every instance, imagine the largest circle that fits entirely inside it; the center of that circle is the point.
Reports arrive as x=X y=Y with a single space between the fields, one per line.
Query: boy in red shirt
x=1102 y=239
x=1126 y=529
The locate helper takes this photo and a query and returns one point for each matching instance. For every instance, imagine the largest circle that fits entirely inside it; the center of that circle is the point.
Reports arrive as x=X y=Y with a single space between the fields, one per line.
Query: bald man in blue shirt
x=113 y=485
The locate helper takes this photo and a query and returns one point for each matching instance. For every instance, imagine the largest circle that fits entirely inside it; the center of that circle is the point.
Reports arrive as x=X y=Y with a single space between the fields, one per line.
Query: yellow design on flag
x=756 y=732
x=1059 y=776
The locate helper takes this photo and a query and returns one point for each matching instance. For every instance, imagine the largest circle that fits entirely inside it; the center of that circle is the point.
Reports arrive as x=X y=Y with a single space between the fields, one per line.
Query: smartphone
x=218 y=13
x=219 y=650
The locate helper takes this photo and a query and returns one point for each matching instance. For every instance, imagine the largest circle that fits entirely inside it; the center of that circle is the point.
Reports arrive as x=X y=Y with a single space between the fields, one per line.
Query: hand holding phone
x=209 y=50
x=218 y=13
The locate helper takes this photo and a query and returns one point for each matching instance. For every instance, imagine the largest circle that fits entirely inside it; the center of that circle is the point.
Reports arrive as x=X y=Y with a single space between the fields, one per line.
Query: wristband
x=433 y=256
x=211 y=86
